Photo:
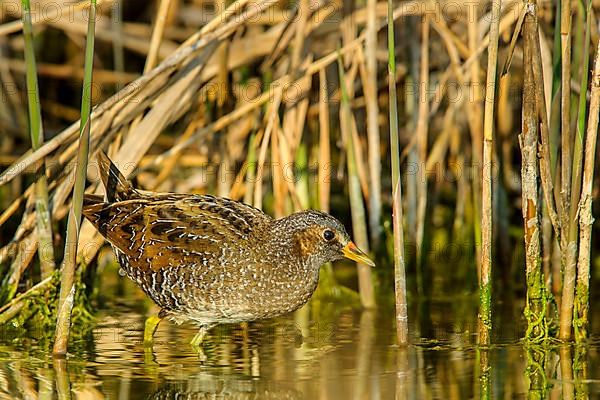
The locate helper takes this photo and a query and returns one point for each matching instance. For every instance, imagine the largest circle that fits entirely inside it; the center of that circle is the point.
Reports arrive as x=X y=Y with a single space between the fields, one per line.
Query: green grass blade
x=67 y=288
x=43 y=226
x=397 y=214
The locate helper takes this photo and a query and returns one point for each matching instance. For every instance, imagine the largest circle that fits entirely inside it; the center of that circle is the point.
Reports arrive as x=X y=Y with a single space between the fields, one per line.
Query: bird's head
x=320 y=238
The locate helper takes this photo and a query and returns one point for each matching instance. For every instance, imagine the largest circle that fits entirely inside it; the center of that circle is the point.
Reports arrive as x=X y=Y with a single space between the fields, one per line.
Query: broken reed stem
x=357 y=208
x=586 y=218
x=36 y=130
x=397 y=216
x=535 y=308
x=485 y=289
x=67 y=287
x=373 y=138
x=545 y=167
x=567 y=251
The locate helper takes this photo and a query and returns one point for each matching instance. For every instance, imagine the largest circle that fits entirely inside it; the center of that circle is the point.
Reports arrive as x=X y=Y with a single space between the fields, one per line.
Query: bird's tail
x=117 y=187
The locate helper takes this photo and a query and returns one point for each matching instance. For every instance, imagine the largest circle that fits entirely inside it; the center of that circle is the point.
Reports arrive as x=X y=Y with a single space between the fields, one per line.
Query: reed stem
x=569 y=268
x=36 y=130
x=485 y=289
x=357 y=208
x=586 y=218
x=397 y=212
x=573 y=233
x=324 y=174
x=373 y=137
x=67 y=287
x=422 y=133
x=535 y=308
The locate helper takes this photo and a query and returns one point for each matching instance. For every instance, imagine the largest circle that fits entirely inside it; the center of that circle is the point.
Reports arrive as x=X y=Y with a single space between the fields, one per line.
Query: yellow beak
x=354 y=253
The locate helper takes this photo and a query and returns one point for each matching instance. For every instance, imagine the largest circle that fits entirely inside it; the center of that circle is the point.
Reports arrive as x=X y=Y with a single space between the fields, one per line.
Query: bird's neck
x=287 y=236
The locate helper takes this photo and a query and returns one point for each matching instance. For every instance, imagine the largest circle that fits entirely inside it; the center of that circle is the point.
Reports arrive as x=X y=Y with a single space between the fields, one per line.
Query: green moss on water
x=37 y=317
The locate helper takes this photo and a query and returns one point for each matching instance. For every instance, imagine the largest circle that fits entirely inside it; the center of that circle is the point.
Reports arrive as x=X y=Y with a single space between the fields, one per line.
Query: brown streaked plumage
x=213 y=260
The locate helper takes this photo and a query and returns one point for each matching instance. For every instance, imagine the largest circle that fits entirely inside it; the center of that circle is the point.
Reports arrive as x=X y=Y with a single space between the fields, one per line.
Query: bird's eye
x=328 y=234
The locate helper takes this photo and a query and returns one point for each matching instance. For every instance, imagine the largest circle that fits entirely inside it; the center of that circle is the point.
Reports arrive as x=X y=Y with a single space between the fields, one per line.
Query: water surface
x=327 y=351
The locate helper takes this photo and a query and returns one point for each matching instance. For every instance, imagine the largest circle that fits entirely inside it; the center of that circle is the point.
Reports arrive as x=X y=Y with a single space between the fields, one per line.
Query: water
x=328 y=351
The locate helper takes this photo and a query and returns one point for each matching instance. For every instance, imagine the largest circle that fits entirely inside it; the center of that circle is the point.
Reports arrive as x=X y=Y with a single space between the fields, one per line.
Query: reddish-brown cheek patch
x=308 y=241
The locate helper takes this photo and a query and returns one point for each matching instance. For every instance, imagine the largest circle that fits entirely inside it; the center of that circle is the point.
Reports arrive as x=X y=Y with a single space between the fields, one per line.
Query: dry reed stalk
x=357 y=209
x=577 y=167
x=545 y=167
x=169 y=163
x=421 y=133
x=437 y=154
x=292 y=129
x=155 y=44
x=278 y=179
x=283 y=164
x=397 y=215
x=586 y=218
x=250 y=169
x=485 y=286
x=550 y=214
x=475 y=119
x=301 y=188
x=62 y=71
x=568 y=255
x=411 y=101
x=511 y=14
x=505 y=125
x=118 y=49
x=139 y=45
x=324 y=174
x=10 y=309
x=222 y=55
x=361 y=163
x=26 y=250
x=124 y=106
x=304 y=11
x=298 y=109
x=119 y=107
x=373 y=137
x=535 y=308
x=44 y=18
x=262 y=155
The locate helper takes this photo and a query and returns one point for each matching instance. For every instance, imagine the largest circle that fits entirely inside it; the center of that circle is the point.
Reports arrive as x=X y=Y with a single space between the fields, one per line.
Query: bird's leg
x=244 y=326
x=150 y=328
x=197 y=340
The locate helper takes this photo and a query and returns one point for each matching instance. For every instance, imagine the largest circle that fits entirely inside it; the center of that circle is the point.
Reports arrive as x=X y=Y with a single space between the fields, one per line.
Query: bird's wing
x=162 y=231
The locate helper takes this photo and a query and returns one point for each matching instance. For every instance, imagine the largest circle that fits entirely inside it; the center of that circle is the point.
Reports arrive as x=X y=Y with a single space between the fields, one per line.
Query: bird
x=212 y=260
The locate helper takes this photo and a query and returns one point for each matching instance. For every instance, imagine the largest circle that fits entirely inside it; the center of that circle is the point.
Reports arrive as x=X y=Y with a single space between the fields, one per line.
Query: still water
x=327 y=351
